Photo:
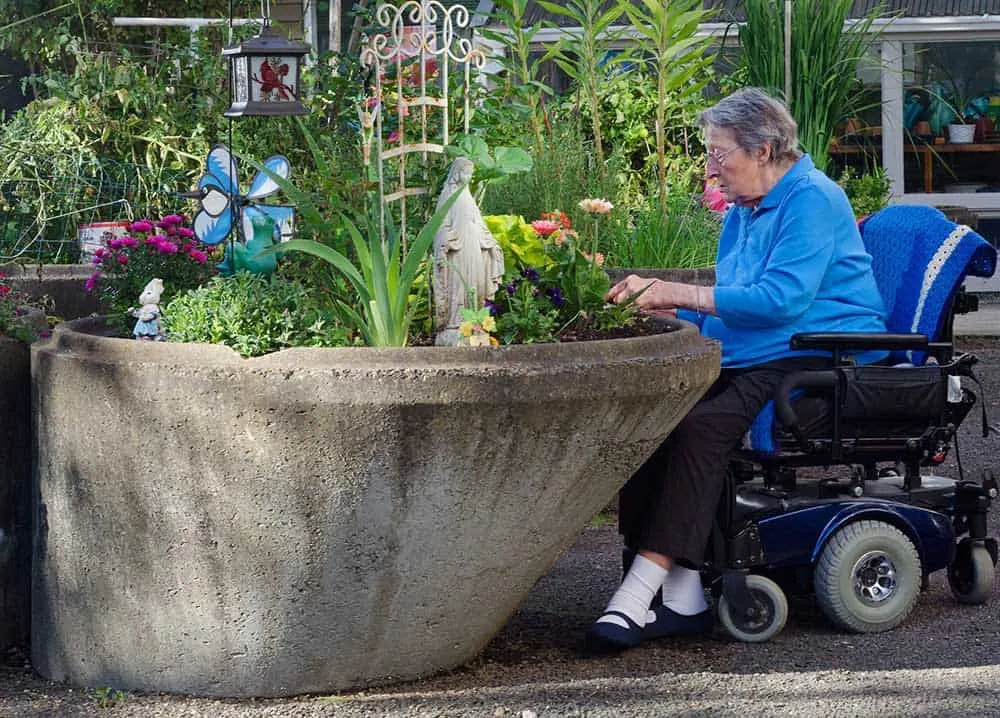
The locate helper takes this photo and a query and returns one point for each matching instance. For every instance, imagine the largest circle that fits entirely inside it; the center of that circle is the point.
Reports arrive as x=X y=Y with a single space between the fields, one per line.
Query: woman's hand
x=662 y=297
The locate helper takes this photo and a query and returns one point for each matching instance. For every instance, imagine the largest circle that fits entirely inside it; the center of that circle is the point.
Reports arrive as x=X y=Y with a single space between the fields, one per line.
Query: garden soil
x=943 y=661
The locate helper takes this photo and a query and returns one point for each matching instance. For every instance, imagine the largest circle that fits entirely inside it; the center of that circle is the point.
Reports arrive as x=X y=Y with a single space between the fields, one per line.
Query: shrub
x=166 y=249
x=253 y=315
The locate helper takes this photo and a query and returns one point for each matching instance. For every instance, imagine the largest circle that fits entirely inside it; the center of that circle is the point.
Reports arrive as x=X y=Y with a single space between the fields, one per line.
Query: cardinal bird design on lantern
x=271 y=80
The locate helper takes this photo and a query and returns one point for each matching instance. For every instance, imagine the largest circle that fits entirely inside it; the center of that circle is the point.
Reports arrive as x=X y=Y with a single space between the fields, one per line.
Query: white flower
x=596 y=206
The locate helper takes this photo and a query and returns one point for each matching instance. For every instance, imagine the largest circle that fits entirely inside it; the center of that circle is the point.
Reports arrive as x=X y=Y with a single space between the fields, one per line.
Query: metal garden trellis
x=420 y=32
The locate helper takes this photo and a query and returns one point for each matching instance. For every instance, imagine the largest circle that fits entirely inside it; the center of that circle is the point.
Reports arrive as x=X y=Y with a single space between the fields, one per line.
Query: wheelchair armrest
x=833 y=341
x=783 y=398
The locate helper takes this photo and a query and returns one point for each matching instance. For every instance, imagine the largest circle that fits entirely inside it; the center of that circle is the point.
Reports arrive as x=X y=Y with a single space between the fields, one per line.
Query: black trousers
x=669 y=504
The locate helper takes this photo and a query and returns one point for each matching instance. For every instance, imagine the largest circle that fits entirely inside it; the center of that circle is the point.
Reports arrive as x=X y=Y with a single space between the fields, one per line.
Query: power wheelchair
x=866 y=540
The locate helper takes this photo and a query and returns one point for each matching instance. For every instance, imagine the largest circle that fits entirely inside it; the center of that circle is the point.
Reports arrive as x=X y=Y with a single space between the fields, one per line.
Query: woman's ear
x=765 y=154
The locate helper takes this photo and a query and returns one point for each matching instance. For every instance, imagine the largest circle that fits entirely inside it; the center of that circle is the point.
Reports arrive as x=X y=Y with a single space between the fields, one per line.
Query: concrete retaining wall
x=63 y=283
x=320 y=519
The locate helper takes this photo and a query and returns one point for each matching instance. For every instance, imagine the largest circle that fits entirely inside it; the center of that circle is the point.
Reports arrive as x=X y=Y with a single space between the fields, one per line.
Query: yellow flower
x=465 y=328
x=489 y=324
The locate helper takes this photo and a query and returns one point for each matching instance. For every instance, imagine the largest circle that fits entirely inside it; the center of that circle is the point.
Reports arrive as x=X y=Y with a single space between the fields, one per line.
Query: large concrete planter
x=320 y=519
x=63 y=284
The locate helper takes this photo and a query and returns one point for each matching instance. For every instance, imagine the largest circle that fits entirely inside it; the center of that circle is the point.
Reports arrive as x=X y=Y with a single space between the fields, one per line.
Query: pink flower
x=129 y=242
x=91 y=281
x=545 y=227
x=115 y=244
x=156 y=239
x=166 y=247
x=712 y=198
x=122 y=259
x=393 y=137
x=596 y=206
x=4 y=290
x=172 y=219
x=100 y=253
x=142 y=225
x=199 y=256
x=185 y=232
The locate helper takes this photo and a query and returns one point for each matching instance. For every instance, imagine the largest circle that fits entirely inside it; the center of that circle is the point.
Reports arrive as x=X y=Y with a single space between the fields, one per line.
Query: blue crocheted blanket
x=920 y=259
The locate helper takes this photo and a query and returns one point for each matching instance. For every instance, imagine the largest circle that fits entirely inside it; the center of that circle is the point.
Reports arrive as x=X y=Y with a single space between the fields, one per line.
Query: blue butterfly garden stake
x=258 y=226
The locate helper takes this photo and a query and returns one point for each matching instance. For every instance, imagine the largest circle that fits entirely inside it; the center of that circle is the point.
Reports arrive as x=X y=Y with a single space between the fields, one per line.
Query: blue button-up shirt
x=794 y=264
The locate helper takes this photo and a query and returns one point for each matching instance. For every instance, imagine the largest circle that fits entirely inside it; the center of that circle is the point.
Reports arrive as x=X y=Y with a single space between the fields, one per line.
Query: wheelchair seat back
x=920 y=259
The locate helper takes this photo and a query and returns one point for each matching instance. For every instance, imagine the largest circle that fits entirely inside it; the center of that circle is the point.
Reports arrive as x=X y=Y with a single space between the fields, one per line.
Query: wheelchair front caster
x=766 y=618
x=971 y=574
x=868 y=577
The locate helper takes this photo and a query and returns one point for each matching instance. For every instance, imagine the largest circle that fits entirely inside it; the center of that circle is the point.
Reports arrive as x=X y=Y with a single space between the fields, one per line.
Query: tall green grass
x=824 y=63
x=686 y=236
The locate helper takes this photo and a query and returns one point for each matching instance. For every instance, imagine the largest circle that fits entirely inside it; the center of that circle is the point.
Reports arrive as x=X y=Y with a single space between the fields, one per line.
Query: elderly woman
x=790 y=260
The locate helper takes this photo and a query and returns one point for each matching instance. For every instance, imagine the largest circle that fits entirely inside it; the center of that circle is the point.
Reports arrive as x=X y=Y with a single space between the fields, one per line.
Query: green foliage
x=824 y=61
x=868 y=192
x=521 y=244
x=491 y=167
x=681 y=63
x=527 y=316
x=15 y=322
x=684 y=236
x=136 y=125
x=521 y=97
x=166 y=249
x=253 y=315
x=551 y=284
x=386 y=272
x=565 y=173
x=107 y=697
x=588 y=57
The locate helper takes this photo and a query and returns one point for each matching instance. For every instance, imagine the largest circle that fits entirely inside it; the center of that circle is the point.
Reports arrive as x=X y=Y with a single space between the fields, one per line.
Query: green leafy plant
x=666 y=42
x=552 y=287
x=107 y=697
x=868 y=192
x=166 y=249
x=685 y=236
x=253 y=315
x=491 y=167
x=824 y=61
x=522 y=67
x=588 y=56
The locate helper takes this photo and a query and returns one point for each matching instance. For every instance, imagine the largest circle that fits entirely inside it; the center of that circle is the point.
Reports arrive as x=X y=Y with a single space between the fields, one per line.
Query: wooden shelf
x=927 y=150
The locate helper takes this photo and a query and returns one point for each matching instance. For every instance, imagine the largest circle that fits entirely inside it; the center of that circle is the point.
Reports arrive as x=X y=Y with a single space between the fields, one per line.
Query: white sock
x=682 y=591
x=636 y=593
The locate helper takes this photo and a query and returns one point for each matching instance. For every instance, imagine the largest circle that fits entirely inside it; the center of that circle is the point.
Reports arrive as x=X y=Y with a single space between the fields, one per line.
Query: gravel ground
x=944 y=660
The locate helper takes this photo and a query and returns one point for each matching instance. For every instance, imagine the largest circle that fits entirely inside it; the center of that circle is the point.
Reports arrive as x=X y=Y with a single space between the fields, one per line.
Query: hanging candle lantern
x=264 y=76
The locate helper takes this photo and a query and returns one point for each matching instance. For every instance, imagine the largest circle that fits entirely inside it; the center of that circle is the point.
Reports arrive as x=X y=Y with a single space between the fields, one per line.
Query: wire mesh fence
x=42 y=212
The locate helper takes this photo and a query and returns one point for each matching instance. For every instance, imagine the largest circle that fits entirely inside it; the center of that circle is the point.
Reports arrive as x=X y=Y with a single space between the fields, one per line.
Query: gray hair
x=755 y=118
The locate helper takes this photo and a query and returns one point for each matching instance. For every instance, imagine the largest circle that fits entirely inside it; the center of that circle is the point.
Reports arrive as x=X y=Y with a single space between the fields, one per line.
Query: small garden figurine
x=147 y=326
x=468 y=260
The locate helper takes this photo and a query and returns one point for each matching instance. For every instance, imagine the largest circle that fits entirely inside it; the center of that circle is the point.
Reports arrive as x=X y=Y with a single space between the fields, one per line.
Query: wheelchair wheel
x=868 y=577
x=971 y=574
x=767 y=620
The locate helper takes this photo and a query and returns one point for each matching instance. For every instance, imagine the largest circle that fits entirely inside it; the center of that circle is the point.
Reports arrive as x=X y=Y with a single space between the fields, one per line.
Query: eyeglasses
x=719 y=158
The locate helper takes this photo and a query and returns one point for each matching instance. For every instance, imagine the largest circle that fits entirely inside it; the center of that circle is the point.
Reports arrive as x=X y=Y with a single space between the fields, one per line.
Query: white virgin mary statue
x=468 y=261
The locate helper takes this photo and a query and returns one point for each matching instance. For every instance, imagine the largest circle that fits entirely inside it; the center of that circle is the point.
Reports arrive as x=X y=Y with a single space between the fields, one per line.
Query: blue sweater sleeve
x=797 y=256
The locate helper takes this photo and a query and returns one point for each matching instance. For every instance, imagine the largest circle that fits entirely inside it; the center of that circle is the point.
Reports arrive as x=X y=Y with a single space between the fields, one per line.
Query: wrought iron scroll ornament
x=420 y=31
